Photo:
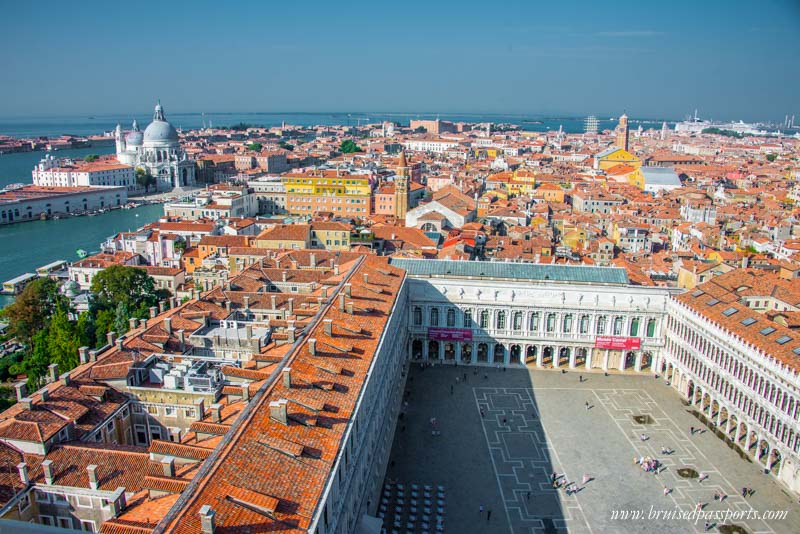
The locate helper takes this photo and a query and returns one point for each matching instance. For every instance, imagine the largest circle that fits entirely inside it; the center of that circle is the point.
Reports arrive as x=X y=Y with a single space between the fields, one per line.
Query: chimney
x=162 y=306
x=246 y=300
x=350 y=308
x=336 y=269
x=173 y=302
x=216 y=413
x=207 y=519
x=341 y=301
x=245 y=392
x=287 y=377
x=168 y=466
x=111 y=337
x=366 y=278
x=92 y=355
x=200 y=409
x=167 y=323
x=53 y=368
x=83 y=354
x=153 y=311
x=328 y=326
x=143 y=323
x=274 y=301
x=347 y=288
x=290 y=331
x=22 y=390
x=92 y=471
x=24 y=477
x=47 y=467
x=45 y=394
x=324 y=292
x=65 y=379
x=277 y=411
x=312 y=262
x=290 y=302
x=182 y=339
x=283 y=275
x=27 y=403
x=120 y=344
x=228 y=306
x=312 y=346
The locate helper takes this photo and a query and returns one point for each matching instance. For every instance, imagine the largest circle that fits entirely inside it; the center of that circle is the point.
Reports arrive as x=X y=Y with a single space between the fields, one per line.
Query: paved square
x=497 y=440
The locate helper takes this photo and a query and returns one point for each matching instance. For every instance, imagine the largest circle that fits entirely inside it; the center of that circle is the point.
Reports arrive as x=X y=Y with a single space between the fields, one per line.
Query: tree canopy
x=349 y=146
x=31 y=309
x=90 y=158
x=129 y=286
x=144 y=179
x=255 y=147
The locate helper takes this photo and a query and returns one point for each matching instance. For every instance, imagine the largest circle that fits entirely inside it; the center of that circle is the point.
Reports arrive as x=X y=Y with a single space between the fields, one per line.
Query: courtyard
x=492 y=442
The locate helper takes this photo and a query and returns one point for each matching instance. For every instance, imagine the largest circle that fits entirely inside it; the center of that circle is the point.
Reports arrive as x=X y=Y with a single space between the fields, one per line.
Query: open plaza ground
x=487 y=439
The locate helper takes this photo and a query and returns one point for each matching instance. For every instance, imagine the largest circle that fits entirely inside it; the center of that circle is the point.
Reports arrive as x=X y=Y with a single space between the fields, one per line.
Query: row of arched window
x=549 y=322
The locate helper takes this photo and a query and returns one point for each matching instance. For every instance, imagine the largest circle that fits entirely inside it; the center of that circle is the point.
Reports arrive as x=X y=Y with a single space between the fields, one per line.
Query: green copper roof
x=514 y=271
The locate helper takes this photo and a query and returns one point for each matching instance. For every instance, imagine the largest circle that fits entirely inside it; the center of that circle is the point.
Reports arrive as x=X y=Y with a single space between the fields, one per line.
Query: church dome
x=160 y=131
x=135 y=136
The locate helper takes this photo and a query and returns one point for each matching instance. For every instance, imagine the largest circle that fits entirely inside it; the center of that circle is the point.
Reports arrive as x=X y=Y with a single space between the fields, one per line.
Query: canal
x=17 y=167
x=26 y=246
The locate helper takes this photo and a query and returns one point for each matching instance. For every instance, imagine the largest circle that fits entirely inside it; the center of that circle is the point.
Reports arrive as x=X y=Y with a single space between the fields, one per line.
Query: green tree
x=90 y=158
x=35 y=364
x=130 y=286
x=349 y=146
x=103 y=324
x=255 y=147
x=420 y=129
x=63 y=340
x=144 y=179
x=772 y=157
x=286 y=146
x=29 y=313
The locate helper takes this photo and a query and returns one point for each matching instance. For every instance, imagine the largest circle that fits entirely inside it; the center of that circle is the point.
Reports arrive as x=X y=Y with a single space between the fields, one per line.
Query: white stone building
x=105 y=171
x=158 y=150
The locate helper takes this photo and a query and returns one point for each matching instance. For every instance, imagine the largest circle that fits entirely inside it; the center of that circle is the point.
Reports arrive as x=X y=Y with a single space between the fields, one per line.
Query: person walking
x=585 y=478
x=482 y=413
x=528 y=496
x=480 y=510
x=744 y=492
x=580 y=378
x=587 y=405
x=691 y=430
x=666 y=491
x=488 y=514
x=451 y=389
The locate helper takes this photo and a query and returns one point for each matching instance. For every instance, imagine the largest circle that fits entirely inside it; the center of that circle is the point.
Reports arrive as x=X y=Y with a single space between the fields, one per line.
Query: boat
x=81 y=253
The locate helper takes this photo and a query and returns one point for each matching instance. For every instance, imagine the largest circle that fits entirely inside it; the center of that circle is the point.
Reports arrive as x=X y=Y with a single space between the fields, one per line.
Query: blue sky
x=653 y=59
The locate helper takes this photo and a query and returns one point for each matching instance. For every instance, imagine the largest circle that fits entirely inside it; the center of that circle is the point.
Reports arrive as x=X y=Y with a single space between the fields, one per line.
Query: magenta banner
x=618 y=343
x=450 y=334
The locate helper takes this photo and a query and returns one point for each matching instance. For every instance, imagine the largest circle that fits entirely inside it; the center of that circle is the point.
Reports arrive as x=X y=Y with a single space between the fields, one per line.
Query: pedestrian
x=528 y=496
x=485 y=376
x=504 y=368
x=707 y=526
x=580 y=378
x=744 y=492
x=451 y=389
x=465 y=377
x=482 y=414
x=457 y=380
x=585 y=478
x=504 y=420
x=480 y=510
x=488 y=514
x=666 y=491
x=691 y=430
x=587 y=405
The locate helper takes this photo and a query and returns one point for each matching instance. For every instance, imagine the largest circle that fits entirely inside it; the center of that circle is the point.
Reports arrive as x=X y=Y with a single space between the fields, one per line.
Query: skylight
x=783 y=340
x=796 y=350
x=748 y=321
x=729 y=311
x=766 y=331
x=712 y=302
x=697 y=293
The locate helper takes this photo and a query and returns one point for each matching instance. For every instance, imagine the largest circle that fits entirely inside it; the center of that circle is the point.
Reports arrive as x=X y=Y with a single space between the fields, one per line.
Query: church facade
x=157 y=150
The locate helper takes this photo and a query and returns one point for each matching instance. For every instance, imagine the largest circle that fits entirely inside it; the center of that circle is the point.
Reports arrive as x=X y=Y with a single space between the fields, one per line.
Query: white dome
x=160 y=131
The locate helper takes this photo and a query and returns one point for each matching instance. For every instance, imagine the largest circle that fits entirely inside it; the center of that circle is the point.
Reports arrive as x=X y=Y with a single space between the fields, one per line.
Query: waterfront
x=26 y=246
x=17 y=167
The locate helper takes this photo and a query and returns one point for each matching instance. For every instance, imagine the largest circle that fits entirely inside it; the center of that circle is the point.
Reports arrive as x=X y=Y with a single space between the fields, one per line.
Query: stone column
x=457 y=345
x=638 y=365
x=738 y=432
x=539 y=357
x=588 y=363
x=556 y=356
x=605 y=360
x=572 y=357
x=425 y=350
x=440 y=356
x=473 y=356
x=623 y=358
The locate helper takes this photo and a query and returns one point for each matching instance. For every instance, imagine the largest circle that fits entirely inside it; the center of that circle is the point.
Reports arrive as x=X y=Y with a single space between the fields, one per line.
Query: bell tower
x=622 y=133
x=401 y=188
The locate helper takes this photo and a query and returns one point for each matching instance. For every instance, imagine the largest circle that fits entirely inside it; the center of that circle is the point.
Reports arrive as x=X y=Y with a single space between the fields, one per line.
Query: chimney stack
x=53 y=368
x=47 y=467
x=182 y=339
x=65 y=380
x=168 y=466
x=207 y=520
x=312 y=346
x=143 y=323
x=366 y=278
x=45 y=394
x=350 y=308
x=120 y=343
x=200 y=409
x=347 y=288
x=167 y=324
x=92 y=355
x=283 y=275
x=133 y=322
x=153 y=311
x=246 y=300
x=312 y=262
x=287 y=377
x=341 y=301
x=162 y=306
x=290 y=331
x=22 y=390
x=290 y=303
x=92 y=471
x=216 y=413
x=83 y=354
x=111 y=337
x=27 y=403
x=328 y=326
x=336 y=269
x=324 y=292
x=245 y=392
x=277 y=411
x=24 y=477
x=274 y=301
x=228 y=306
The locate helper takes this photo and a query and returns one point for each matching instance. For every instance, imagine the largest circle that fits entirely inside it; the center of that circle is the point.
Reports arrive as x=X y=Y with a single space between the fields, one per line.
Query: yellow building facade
x=342 y=195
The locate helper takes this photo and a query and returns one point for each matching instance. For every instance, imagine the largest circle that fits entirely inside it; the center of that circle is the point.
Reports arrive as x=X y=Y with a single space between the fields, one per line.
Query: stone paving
x=503 y=434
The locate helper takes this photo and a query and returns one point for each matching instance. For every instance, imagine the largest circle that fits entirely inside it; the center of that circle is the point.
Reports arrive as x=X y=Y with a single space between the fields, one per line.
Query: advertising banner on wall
x=450 y=334
x=617 y=343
